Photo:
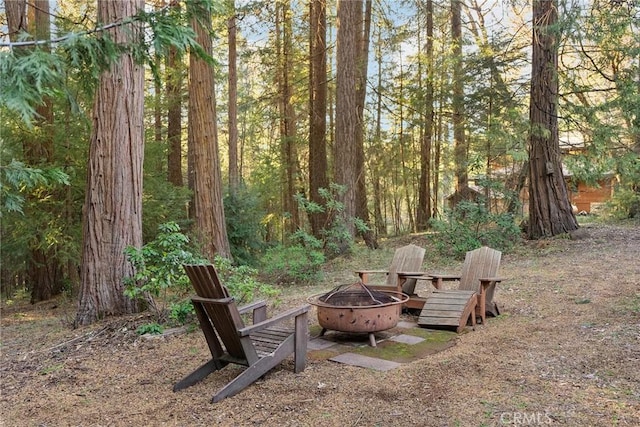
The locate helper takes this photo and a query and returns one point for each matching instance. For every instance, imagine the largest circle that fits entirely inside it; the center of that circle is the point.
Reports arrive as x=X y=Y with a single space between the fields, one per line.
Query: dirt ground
x=565 y=351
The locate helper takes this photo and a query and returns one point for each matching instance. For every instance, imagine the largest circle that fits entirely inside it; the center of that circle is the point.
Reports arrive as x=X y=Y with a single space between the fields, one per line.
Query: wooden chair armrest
x=294 y=312
x=491 y=279
x=258 y=309
x=421 y=275
x=252 y=306
x=437 y=279
x=361 y=272
x=487 y=282
x=444 y=276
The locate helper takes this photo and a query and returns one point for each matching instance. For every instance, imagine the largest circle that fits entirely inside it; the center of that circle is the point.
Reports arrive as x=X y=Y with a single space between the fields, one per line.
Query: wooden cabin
x=585 y=198
x=588 y=198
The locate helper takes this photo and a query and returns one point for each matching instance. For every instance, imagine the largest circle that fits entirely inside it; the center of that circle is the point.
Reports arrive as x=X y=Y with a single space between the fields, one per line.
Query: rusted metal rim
x=399 y=296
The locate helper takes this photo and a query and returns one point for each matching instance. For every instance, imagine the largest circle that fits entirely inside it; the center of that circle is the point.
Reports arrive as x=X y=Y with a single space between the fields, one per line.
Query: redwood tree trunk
x=347 y=120
x=424 y=186
x=113 y=202
x=362 y=208
x=550 y=210
x=288 y=131
x=210 y=226
x=318 y=111
x=460 y=142
x=175 y=78
x=378 y=198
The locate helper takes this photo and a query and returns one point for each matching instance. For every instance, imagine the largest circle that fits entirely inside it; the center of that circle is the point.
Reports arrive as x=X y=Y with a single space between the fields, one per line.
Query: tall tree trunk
x=424 y=186
x=288 y=131
x=113 y=202
x=437 y=154
x=175 y=77
x=550 y=210
x=634 y=209
x=210 y=223
x=347 y=120
x=380 y=223
x=234 y=176
x=157 y=115
x=460 y=143
x=362 y=208
x=16 y=12
x=318 y=111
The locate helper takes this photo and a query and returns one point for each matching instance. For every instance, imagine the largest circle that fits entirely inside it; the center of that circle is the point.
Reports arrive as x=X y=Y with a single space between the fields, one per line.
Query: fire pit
x=358 y=308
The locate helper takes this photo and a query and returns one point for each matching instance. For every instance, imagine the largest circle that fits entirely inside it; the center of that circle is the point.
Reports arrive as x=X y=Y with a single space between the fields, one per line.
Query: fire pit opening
x=357 y=308
x=357 y=294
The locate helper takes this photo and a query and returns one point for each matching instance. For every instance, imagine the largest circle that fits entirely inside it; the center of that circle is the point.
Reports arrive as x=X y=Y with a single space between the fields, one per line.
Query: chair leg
x=200 y=374
x=300 y=343
x=472 y=313
x=246 y=378
x=481 y=307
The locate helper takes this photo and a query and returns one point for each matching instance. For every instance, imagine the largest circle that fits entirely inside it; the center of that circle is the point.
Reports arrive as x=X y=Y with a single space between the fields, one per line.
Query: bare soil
x=565 y=351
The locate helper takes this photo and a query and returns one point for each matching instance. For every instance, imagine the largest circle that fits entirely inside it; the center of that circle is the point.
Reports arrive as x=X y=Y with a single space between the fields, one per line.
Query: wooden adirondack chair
x=260 y=347
x=408 y=260
x=405 y=259
x=474 y=296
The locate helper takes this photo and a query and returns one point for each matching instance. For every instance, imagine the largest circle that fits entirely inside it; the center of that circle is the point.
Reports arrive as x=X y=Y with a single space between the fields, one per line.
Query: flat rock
x=407 y=339
x=365 y=361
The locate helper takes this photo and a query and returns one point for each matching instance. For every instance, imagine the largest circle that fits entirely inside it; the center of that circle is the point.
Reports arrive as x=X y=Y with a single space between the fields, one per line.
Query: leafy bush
x=241 y=281
x=180 y=312
x=335 y=239
x=293 y=264
x=160 y=277
x=471 y=225
x=624 y=204
x=150 y=328
x=161 y=281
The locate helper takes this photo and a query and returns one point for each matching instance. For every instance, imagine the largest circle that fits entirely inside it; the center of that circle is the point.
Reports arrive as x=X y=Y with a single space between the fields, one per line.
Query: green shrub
x=160 y=278
x=161 y=281
x=241 y=281
x=335 y=239
x=471 y=225
x=624 y=204
x=181 y=312
x=293 y=264
x=150 y=328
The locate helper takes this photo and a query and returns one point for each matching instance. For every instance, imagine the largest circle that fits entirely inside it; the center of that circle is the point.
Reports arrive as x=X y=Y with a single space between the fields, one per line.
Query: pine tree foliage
x=28 y=76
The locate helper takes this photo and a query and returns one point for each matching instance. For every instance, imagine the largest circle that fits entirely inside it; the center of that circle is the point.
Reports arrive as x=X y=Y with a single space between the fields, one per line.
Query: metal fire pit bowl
x=351 y=315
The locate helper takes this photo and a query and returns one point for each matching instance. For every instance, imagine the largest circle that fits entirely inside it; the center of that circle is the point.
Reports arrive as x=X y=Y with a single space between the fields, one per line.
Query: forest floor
x=565 y=351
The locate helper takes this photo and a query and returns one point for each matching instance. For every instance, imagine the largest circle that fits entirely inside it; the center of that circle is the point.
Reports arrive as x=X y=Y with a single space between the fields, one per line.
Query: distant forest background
x=275 y=132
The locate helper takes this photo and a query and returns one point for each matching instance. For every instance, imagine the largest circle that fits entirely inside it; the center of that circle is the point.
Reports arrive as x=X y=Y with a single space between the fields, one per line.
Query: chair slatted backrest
x=478 y=264
x=408 y=259
x=221 y=311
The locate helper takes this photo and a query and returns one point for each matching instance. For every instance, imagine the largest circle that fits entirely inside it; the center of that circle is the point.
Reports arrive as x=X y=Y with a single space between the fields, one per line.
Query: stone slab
x=319 y=344
x=407 y=339
x=365 y=361
x=407 y=325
